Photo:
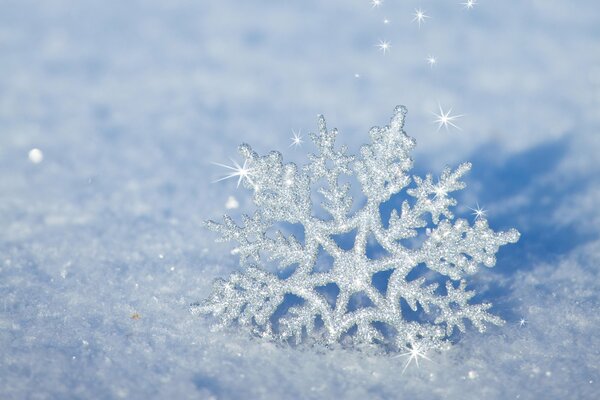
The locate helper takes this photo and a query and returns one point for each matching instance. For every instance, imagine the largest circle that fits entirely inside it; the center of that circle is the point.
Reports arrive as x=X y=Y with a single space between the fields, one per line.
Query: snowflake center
x=350 y=272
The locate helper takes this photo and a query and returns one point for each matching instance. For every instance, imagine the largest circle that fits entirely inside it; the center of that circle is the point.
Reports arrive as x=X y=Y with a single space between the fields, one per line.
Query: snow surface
x=101 y=244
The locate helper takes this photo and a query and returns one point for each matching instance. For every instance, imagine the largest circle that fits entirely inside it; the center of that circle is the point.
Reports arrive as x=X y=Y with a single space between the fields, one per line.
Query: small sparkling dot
x=231 y=203
x=296 y=139
x=36 y=156
x=522 y=322
x=384 y=46
x=357 y=76
x=472 y=374
x=431 y=60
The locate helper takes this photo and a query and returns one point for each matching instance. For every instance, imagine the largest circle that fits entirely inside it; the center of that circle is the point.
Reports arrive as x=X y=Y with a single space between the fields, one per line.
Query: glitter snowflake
x=362 y=295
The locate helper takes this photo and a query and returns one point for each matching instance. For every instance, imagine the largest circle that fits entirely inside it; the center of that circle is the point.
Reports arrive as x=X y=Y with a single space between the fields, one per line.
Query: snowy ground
x=101 y=244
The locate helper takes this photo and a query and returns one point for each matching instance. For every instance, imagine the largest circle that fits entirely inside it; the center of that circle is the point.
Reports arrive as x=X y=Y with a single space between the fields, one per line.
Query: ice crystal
x=318 y=304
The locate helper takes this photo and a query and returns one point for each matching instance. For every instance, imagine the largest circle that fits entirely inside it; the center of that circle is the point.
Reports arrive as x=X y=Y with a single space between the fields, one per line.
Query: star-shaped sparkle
x=242 y=172
x=384 y=46
x=445 y=119
x=413 y=353
x=522 y=322
x=479 y=212
x=296 y=139
x=431 y=60
x=439 y=192
x=469 y=4
x=420 y=16
x=376 y=3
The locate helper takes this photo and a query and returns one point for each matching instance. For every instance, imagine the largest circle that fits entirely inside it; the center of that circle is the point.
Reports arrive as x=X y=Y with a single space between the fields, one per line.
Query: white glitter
x=283 y=193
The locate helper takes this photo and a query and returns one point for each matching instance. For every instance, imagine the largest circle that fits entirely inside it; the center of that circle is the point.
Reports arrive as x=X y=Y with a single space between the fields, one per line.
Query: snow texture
x=102 y=248
x=282 y=193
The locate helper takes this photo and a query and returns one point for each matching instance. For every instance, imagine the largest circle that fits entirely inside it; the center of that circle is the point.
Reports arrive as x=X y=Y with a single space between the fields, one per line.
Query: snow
x=101 y=245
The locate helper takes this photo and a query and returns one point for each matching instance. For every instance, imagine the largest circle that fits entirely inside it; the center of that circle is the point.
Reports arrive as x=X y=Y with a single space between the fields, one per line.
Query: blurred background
x=111 y=113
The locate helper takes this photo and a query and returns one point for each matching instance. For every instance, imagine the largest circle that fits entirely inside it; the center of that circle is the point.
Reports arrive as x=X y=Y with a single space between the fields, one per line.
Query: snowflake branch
x=330 y=164
x=454 y=250
x=382 y=168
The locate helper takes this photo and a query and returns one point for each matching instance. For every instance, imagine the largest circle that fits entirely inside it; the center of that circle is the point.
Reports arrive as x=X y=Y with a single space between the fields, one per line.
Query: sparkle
x=431 y=60
x=413 y=354
x=231 y=203
x=296 y=139
x=386 y=21
x=472 y=374
x=384 y=46
x=35 y=155
x=445 y=119
x=439 y=192
x=376 y=3
x=242 y=172
x=420 y=16
x=357 y=76
x=469 y=4
x=522 y=322
x=479 y=212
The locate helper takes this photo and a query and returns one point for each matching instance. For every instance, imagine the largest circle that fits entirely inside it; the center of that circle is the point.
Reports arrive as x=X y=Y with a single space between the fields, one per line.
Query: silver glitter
x=423 y=232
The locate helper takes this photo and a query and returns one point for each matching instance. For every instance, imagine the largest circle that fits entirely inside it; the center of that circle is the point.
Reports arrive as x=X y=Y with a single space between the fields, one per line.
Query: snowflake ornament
x=344 y=303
